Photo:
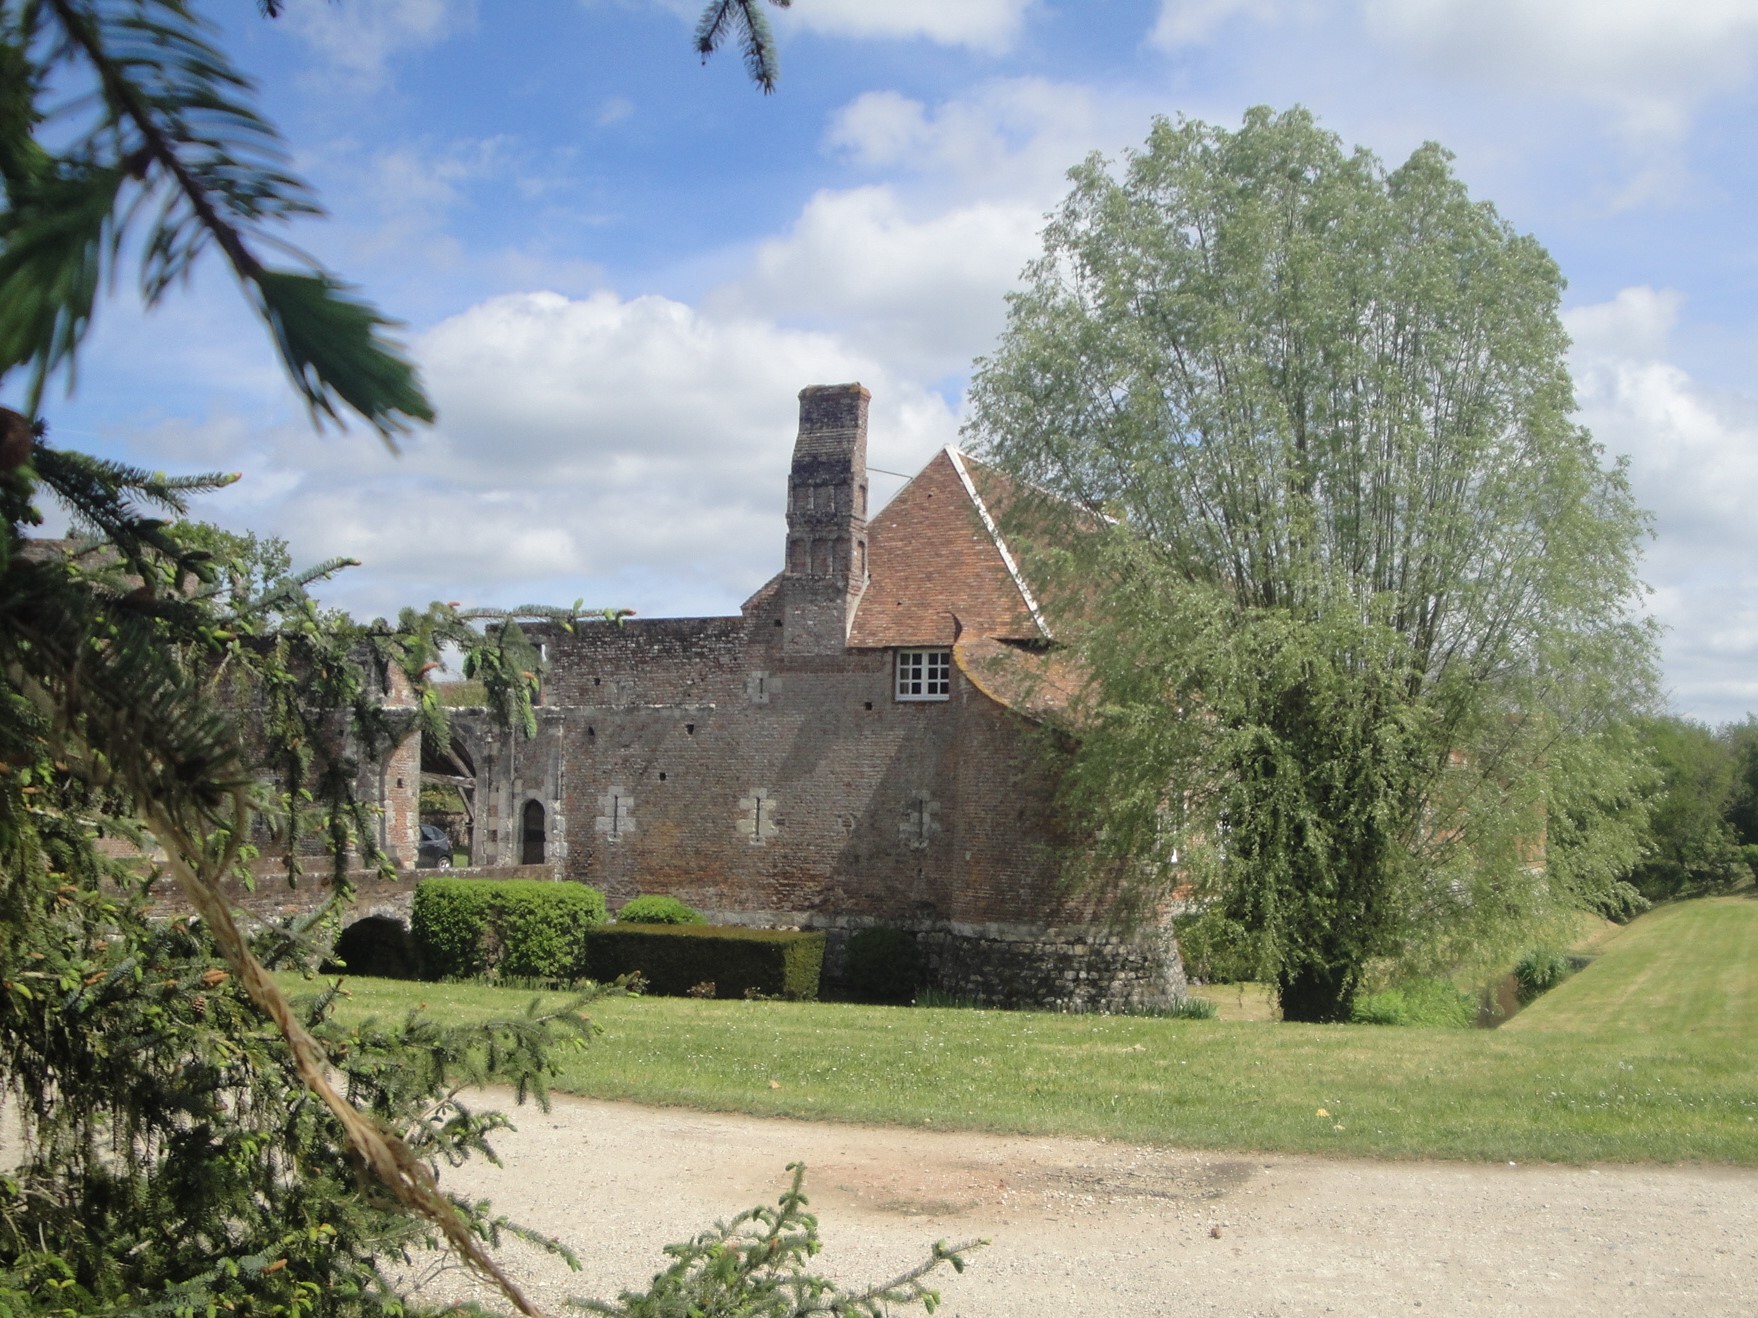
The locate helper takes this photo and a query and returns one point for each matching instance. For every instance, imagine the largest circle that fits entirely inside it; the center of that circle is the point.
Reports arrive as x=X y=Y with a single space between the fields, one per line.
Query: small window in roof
x=924 y=674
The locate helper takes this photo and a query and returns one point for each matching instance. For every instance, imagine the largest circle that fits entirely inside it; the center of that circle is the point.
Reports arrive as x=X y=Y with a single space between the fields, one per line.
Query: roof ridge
x=970 y=489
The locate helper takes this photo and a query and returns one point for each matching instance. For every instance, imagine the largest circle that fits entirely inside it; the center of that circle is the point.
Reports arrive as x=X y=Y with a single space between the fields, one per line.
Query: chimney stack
x=826 y=567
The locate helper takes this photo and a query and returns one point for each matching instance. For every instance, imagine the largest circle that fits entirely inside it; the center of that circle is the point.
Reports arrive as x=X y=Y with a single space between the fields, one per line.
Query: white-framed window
x=924 y=674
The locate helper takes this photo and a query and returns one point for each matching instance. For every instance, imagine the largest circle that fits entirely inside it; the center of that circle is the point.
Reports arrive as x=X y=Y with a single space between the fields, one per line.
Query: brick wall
x=766 y=787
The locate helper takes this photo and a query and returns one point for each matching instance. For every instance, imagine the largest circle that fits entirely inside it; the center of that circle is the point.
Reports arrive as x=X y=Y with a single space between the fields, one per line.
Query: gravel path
x=1085 y=1227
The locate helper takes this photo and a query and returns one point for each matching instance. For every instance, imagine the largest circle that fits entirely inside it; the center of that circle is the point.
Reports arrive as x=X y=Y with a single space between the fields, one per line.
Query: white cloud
x=1653 y=60
x=614 y=110
x=1194 y=22
x=990 y=26
x=358 y=38
x=927 y=293
x=916 y=269
x=1014 y=137
x=1694 y=464
x=408 y=213
x=631 y=452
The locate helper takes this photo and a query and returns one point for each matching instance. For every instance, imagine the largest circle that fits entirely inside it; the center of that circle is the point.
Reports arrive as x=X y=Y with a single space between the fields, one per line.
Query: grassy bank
x=1648 y=1054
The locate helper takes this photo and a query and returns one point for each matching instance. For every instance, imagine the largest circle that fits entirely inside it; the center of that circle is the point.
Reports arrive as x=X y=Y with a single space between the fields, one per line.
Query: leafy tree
x=194 y=1141
x=1694 y=848
x=1741 y=740
x=1356 y=598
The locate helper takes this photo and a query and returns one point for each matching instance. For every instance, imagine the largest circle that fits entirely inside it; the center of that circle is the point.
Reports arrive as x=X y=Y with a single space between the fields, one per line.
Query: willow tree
x=1356 y=598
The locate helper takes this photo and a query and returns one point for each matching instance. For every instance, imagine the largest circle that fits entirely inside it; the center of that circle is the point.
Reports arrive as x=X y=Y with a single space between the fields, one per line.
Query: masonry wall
x=702 y=759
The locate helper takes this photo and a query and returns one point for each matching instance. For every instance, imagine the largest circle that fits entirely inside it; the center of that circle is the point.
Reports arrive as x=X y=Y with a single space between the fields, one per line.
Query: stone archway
x=376 y=945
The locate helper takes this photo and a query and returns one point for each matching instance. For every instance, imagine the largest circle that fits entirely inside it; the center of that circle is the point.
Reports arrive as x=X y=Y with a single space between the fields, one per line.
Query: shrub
x=673 y=959
x=936 y=997
x=659 y=910
x=507 y=928
x=883 y=965
x=1189 y=1008
x=1427 y=1002
x=1540 y=971
x=1217 y=950
x=1184 y=1007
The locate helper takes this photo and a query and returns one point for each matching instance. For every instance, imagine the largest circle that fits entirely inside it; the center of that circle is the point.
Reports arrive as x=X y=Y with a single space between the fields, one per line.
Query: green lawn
x=1648 y=1054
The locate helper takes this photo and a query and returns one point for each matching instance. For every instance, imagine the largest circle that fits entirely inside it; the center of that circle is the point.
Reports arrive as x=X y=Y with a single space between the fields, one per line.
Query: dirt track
x=1082 y=1227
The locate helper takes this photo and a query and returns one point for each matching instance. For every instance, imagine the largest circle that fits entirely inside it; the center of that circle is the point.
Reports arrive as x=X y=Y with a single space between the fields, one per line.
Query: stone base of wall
x=1057 y=969
x=1049 y=968
x=271 y=901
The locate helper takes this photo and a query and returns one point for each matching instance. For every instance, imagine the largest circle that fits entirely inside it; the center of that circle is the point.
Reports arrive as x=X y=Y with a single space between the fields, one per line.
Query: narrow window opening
x=690 y=728
x=531 y=846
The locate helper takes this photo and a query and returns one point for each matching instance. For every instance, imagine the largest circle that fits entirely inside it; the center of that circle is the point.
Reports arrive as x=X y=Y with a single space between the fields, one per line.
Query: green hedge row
x=521 y=928
x=659 y=910
x=674 y=959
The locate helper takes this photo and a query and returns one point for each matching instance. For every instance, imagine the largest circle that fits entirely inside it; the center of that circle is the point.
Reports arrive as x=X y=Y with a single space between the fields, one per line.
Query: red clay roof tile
x=936 y=572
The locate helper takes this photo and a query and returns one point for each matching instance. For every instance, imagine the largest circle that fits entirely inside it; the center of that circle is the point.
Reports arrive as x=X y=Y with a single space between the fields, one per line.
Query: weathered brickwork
x=761 y=768
x=273 y=902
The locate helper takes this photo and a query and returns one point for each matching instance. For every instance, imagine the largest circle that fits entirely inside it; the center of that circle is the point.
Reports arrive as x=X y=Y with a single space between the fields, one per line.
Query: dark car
x=435 y=851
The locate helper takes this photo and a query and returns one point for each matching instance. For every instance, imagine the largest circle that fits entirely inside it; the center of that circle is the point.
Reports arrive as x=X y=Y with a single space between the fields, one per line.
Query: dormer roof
x=939 y=568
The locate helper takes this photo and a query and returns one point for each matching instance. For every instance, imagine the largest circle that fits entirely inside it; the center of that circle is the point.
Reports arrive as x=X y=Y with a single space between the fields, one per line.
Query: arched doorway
x=531 y=834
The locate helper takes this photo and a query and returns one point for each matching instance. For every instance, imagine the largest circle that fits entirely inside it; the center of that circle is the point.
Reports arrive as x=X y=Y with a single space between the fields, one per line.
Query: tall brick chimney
x=826 y=519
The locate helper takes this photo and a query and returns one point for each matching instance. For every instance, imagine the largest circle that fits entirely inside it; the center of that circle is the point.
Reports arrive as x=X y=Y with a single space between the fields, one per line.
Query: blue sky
x=617 y=267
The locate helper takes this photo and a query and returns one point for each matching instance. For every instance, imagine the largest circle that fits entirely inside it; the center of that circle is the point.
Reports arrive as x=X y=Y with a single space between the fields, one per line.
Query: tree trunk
x=1317 y=994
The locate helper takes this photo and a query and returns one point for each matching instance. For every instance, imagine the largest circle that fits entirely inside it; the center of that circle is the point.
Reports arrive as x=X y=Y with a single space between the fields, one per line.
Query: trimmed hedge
x=673 y=959
x=519 y=928
x=658 y=910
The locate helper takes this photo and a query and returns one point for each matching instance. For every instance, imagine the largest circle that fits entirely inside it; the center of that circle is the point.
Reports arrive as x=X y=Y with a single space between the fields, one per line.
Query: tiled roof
x=1034 y=681
x=937 y=568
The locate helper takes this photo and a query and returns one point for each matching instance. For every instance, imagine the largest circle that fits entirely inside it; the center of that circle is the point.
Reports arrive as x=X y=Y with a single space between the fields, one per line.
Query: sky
x=616 y=266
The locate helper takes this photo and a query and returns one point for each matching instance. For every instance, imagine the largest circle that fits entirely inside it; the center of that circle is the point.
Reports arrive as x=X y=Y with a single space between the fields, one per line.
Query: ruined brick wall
x=775 y=788
x=742 y=778
x=668 y=661
x=399 y=780
x=272 y=901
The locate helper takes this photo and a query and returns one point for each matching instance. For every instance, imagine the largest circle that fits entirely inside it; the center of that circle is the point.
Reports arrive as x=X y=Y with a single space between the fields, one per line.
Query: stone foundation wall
x=272 y=901
x=1059 y=969
x=1076 y=968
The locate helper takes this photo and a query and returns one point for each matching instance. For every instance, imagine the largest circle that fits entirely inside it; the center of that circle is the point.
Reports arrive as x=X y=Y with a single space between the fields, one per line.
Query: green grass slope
x=1645 y=1055
x=1685 y=970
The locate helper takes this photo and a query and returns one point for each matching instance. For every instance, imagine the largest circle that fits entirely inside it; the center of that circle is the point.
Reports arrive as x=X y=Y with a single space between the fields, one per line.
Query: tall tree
x=1356 y=597
x=1695 y=810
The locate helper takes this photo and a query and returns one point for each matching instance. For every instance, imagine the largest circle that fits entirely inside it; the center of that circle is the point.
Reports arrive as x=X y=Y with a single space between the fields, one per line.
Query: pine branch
x=745 y=17
x=176 y=114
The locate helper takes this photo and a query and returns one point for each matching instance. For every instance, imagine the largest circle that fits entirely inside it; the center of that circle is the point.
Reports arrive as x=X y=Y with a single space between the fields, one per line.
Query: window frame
x=924 y=668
